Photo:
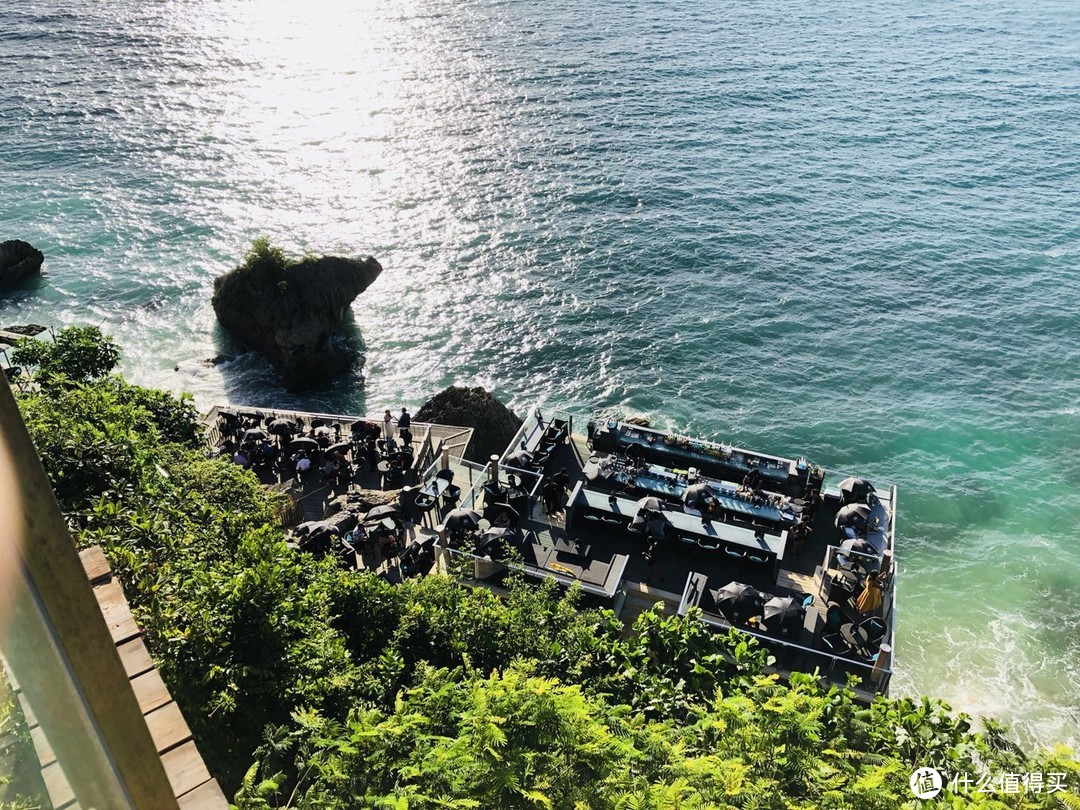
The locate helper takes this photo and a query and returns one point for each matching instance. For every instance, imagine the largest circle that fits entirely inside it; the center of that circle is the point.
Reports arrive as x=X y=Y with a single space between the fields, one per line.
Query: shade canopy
x=460 y=519
x=855 y=490
x=859 y=545
x=340 y=447
x=854 y=515
x=282 y=427
x=698 y=492
x=315 y=527
x=255 y=434
x=783 y=612
x=649 y=504
x=738 y=601
x=386 y=510
x=303 y=443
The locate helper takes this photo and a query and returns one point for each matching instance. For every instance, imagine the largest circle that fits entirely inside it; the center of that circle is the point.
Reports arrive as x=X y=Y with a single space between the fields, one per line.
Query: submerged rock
x=18 y=261
x=494 y=423
x=288 y=311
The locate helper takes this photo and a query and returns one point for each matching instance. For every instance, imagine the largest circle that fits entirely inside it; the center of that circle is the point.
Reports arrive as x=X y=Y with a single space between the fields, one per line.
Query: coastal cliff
x=288 y=311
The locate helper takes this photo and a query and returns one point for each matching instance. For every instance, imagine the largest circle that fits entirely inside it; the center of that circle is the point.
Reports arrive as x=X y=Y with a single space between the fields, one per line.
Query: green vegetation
x=21 y=787
x=308 y=686
x=265 y=260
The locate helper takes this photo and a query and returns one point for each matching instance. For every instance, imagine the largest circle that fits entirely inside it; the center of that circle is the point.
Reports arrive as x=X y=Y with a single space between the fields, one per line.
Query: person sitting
x=329 y=468
x=240 y=457
x=303 y=467
x=752 y=482
x=634 y=454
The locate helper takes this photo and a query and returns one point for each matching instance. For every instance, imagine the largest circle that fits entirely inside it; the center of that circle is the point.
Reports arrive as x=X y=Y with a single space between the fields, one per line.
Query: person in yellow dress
x=870 y=598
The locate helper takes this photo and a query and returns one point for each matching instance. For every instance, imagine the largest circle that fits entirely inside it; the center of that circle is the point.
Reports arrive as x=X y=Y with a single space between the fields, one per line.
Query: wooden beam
x=59 y=646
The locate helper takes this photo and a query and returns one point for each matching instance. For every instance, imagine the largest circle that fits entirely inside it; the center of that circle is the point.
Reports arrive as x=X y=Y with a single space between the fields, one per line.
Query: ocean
x=849 y=231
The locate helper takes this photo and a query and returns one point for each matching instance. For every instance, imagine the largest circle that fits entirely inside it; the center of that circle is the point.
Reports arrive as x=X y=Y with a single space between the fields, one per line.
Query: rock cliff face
x=288 y=311
x=495 y=424
x=18 y=261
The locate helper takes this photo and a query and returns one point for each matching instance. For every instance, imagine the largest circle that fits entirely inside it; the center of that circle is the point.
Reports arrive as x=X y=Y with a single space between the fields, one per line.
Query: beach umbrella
x=282 y=427
x=783 y=613
x=340 y=447
x=737 y=600
x=870 y=598
x=317 y=527
x=386 y=510
x=649 y=504
x=865 y=556
x=878 y=540
x=505 y=510
x=878 y=519
x=322 y=430
x=255 y=435
x=858 y=545
x=461 y=519
x=303 y=443
x=698 y=492
x=855 y=490
x=854 y=515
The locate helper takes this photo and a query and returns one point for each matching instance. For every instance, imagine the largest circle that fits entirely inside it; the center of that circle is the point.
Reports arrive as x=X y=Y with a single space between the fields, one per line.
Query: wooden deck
x=191 y=782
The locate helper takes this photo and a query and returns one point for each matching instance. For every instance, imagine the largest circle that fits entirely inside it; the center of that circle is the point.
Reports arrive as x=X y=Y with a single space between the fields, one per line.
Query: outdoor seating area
x=757 y=542
x=302 y=448
x=782 y=614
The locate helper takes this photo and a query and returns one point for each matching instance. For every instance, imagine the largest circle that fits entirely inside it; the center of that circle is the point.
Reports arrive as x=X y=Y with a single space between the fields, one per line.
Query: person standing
x=387 y=420
x=404 y=421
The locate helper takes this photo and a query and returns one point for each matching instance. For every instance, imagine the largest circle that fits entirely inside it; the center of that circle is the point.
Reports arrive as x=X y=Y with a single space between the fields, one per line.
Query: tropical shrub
x=309 y=686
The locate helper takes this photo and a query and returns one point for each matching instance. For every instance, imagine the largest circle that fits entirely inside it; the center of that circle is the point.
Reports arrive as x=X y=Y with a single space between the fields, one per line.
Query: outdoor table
x=855 y=638
x=666 y=483
x=435 y=487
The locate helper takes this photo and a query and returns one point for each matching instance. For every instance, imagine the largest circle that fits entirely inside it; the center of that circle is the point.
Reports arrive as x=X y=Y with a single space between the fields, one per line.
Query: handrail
x=58 y=643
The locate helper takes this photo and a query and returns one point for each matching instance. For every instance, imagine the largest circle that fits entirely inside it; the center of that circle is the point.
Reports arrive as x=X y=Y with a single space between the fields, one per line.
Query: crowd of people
x=299 y=449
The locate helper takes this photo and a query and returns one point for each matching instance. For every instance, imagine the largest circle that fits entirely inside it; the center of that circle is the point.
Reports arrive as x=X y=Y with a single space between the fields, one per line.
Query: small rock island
x=287 y=310
x=18 y=261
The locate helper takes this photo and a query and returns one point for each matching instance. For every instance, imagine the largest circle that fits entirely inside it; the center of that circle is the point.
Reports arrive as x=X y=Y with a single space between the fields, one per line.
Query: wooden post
x=882 y=664
x=446 y=458
x=441 y=553
x=495 y=470
x=59 y=646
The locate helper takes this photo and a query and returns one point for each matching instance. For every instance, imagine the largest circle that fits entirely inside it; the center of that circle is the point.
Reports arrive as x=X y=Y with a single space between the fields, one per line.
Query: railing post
x=883 y=663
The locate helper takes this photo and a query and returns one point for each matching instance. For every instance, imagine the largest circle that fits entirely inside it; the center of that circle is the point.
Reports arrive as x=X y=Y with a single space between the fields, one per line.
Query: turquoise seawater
x=844 y=230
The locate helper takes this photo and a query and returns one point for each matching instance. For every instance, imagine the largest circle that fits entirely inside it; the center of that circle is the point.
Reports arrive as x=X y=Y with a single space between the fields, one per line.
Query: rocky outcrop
x=494 y=423
x=18 y=261
x=10 y=335
x=289 y=311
